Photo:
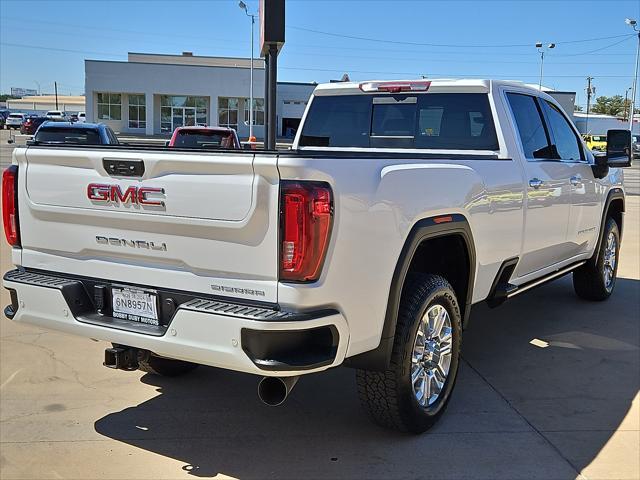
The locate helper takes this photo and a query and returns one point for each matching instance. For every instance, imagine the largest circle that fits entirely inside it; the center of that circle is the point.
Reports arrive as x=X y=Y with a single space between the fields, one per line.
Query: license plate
x=135 y=305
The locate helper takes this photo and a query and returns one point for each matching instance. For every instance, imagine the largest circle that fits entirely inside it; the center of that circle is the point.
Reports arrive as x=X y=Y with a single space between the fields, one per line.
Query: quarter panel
x=377 y=202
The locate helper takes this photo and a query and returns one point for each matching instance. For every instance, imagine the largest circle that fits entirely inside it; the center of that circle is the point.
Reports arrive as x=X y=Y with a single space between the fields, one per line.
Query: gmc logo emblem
x=100 y=192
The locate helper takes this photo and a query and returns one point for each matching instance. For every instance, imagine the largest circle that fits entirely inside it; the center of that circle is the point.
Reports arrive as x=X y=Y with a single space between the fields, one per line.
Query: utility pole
x=590 y=91
x=631 y=22
x=55 y=86
x=626 y=103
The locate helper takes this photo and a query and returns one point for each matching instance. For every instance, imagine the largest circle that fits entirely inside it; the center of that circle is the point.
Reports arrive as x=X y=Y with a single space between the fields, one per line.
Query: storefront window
x=258 y=111
x=181 y=110
x=137 y=111
x=109 y=106
x=228 y=112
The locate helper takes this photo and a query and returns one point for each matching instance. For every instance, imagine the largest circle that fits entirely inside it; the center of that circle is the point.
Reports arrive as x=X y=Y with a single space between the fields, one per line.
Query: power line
x=431 y=74
x=402 y=42
x=594 y=51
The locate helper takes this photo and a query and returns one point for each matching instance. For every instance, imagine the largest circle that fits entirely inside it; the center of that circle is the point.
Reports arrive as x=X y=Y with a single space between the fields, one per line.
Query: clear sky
x=43 y=41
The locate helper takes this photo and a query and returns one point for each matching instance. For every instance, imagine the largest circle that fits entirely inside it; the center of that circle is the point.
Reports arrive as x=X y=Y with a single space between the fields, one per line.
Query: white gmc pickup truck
x=400 y=205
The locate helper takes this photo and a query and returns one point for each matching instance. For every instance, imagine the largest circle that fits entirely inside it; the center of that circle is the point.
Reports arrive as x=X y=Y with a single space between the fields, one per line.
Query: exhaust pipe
x=273 y=391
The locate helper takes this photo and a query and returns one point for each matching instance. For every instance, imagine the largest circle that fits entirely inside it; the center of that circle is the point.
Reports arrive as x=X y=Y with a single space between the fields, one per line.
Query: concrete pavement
x=548 y=389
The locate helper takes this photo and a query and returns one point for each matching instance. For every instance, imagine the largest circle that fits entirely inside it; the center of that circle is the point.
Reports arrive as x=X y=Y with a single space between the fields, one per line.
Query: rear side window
x=74 y=136
x=530 y=125
x=454 y=121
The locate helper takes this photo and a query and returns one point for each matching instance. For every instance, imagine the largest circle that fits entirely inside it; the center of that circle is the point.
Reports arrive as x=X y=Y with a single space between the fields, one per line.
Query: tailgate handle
x=117 y=167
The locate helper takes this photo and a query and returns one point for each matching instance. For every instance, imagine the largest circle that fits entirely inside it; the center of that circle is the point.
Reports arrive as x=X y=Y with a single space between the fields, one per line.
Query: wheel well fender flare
x=615 y=194
x=423 y=230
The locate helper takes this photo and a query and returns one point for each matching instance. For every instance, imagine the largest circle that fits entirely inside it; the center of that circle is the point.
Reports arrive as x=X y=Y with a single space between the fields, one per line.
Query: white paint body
x=221 y=226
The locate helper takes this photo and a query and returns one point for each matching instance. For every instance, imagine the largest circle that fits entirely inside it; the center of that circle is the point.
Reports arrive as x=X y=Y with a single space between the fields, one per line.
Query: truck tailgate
x=202 y=222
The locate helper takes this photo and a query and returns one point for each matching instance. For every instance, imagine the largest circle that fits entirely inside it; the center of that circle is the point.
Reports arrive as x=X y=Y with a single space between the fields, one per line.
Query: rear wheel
x=167 y=367
x=413 y=392
x=596 y=279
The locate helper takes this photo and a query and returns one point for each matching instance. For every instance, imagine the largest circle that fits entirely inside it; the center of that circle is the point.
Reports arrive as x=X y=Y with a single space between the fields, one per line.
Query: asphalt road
x=548 y=389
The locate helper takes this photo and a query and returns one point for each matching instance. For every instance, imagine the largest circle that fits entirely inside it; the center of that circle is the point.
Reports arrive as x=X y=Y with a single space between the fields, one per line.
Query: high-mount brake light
x=395 y=87
x=10 y=205
x=306 y=213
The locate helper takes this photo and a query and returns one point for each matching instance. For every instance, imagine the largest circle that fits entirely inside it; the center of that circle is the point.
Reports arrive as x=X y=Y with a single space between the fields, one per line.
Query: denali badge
x=100 y=192
x=122 y=242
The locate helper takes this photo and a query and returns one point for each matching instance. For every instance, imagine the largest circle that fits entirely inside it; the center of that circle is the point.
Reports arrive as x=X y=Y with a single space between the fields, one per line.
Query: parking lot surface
x=548 y=389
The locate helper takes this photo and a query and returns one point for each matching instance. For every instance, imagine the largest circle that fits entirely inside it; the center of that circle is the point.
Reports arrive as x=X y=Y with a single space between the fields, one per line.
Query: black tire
x=388 y=396
x=589 y=280
x=167 y=367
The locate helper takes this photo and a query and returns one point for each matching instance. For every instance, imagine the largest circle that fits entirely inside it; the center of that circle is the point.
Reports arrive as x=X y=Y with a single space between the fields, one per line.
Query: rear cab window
x=65 y=135
x=204 y=139
x=447 y=121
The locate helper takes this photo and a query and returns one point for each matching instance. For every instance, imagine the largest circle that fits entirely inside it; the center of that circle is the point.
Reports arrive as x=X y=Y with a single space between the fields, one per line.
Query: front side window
x=564 y=138
x=109 y=106
x=530 y=125
x=137 y=111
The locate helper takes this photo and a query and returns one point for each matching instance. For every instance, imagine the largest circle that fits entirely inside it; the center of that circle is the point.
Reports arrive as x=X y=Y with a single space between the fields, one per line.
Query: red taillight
x=306 y=212
x=10 y=205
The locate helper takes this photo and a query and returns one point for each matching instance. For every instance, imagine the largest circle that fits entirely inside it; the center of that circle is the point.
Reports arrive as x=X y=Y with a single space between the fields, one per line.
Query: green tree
x=611 y=105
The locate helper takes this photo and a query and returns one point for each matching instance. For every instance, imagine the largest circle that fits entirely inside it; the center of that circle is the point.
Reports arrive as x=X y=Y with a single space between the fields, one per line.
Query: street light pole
x=631 y=22
x=541 y=51
x=243 y=6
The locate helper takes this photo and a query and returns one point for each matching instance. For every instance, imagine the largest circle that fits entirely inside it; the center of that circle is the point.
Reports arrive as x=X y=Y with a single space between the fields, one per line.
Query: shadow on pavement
x=545 y=412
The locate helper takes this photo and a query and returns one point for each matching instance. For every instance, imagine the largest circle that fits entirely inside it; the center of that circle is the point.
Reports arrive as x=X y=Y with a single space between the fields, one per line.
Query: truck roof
x=439 y=84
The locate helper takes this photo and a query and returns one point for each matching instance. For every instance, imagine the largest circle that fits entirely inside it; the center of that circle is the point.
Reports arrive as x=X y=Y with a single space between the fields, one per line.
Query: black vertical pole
x=55 y=85
x=266 y=100
x=273 y=83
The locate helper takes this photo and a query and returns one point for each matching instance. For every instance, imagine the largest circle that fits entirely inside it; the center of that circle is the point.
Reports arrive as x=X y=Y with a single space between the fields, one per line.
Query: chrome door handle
x=576 y=180
x=535 y=183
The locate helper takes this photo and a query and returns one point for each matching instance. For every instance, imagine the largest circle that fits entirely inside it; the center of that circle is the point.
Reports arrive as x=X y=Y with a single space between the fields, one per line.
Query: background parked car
x=31 y=124
x=636 y=145
x=14 y=120
x=75 y=134
x=82 y=117
x=55 y=114
x=205 y=137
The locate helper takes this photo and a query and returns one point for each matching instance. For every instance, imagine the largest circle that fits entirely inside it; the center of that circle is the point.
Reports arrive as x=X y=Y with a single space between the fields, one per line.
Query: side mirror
x=30 y=142
x=619 y=152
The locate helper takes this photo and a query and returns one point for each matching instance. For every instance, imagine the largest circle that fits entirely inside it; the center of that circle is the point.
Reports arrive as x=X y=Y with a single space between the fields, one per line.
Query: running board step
x=547 y=278
x=504 y=290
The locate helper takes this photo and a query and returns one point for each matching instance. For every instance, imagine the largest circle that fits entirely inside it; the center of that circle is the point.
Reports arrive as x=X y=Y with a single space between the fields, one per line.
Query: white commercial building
x=153 y=94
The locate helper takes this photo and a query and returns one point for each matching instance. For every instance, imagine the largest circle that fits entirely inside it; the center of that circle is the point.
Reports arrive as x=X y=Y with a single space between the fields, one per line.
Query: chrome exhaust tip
x=273 y=391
